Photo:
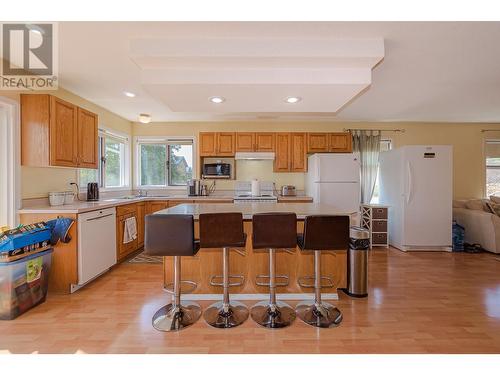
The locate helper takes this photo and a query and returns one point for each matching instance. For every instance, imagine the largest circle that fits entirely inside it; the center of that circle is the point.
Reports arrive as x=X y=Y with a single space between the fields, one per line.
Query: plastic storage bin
x=24 y=284
x=458 y=236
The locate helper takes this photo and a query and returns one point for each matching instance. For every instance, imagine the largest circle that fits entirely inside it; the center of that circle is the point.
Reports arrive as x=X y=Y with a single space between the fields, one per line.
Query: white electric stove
x=243 y=193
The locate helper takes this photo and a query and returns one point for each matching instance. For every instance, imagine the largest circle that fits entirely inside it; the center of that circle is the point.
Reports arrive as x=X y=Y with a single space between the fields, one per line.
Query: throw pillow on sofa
x=494 y=207
x=495 y=199
x=477 y=204
x=459 y=203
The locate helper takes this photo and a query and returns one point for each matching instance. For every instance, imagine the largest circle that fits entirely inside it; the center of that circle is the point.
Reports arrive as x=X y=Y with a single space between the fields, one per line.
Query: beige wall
x=466 y=138
x=38 y=182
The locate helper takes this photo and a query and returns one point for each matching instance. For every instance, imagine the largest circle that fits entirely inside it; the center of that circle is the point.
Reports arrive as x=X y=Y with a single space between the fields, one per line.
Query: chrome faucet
x=143 y=193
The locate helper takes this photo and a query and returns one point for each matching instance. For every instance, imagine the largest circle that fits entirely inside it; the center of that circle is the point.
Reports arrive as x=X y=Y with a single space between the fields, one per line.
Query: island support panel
x=208 y=262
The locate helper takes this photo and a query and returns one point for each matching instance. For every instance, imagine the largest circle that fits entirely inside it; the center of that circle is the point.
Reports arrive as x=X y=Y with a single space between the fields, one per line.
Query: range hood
x=254 y=156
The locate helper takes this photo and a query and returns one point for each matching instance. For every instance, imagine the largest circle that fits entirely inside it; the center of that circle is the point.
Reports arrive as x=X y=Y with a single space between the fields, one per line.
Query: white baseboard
x=259 y=296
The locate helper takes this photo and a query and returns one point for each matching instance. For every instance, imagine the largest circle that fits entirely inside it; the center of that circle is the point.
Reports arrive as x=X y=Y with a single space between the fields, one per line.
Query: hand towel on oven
x=130 y=230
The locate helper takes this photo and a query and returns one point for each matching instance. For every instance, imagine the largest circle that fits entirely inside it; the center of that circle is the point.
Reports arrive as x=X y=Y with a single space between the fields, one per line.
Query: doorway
x=9 y=162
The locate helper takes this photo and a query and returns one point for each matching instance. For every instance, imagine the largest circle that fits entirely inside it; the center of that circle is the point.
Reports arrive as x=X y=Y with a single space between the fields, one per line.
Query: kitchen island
x=209 y=261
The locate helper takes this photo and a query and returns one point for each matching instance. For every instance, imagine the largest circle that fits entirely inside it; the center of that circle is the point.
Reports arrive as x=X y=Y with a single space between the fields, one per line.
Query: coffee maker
x=92 y=191
x=194 y=188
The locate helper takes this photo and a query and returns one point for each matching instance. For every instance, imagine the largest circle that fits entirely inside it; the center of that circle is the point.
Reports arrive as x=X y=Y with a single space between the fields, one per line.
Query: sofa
x=481 y=220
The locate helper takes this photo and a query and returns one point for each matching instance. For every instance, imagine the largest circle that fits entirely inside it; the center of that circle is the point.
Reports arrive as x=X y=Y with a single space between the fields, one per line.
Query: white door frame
x=10 y=159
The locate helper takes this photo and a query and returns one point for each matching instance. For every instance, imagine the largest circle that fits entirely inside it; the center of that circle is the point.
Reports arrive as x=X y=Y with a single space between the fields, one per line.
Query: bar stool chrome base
x=278 y=316
x=174 y=318
x=322 y=315
x=233 y=315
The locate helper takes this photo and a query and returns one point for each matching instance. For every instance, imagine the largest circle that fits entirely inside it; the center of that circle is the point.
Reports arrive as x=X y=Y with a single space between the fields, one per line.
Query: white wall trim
x=10 y=168
x=152 y=139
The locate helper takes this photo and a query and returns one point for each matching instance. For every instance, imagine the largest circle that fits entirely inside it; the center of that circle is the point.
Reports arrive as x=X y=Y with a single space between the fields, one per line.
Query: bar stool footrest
x=169 y=287
x=303 y=284
x=263 y=283
x=238 y=283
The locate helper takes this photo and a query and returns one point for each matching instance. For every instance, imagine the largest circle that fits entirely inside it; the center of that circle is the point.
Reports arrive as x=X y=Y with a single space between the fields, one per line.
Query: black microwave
x=217 y=170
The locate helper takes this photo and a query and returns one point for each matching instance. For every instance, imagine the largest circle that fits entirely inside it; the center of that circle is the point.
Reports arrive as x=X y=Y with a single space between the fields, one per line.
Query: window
x=164 y=162
x=492 y=154
x=113 y=163
x=385 y=145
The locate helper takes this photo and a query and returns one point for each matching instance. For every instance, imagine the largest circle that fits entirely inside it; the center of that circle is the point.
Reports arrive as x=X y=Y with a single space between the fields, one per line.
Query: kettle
x=92 y=191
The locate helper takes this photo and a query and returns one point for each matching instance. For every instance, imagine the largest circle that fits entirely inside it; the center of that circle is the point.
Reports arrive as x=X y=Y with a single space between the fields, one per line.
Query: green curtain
x=366 y=143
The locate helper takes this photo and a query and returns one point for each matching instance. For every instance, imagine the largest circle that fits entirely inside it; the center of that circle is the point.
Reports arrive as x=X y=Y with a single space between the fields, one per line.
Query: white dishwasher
x=96 y=244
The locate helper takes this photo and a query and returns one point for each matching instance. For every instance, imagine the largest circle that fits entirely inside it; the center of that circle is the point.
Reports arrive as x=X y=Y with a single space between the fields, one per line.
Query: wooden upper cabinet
x=249 y=142
x=298 y=152
x=245 y=142
x=208 y=144
x=264 y=142
x=217 y=144
x=225 y=144
x=282 y=153
x=87 y=134
x=317 y=142
x=340 y=142
x=63 y=133
x=35 y=139
x=55 y=132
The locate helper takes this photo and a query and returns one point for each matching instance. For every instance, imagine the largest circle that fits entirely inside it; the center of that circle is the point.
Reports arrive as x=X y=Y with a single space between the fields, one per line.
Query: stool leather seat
x=324 y=232
x=222 y=230
x=274 y=230
x=170 y=235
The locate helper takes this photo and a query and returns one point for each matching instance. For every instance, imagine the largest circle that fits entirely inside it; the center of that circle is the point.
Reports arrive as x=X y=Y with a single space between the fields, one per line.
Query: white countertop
x=248 y=209
x=79 y=207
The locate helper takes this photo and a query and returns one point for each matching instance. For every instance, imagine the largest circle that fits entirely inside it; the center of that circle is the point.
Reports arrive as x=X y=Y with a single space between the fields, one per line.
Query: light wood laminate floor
x=418 y=303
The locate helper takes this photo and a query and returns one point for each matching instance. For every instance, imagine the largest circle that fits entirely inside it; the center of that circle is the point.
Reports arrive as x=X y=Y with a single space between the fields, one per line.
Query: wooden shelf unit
x=374 y=217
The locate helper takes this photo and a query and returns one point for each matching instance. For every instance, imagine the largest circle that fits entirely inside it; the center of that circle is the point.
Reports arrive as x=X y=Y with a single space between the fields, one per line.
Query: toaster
x=288 y=191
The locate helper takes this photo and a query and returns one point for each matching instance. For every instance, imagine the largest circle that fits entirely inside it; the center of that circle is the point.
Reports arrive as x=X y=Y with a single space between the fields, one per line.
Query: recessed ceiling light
x=293 y=99
x=129 y=94
x=144 y=118
x=217 y=99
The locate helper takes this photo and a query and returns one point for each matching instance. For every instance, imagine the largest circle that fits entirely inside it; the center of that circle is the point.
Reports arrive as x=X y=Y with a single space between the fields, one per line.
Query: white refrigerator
x=417 y=183
x=333 y=179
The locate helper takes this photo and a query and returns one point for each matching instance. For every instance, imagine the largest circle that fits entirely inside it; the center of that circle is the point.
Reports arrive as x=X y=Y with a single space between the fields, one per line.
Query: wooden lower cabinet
x=64 y=265
x=141 y=212
x=123 y=249
x=137 y=210
x=154 y=206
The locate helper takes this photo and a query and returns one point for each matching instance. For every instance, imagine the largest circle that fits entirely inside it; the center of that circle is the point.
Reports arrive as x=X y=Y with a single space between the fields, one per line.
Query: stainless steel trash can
x=357 y=262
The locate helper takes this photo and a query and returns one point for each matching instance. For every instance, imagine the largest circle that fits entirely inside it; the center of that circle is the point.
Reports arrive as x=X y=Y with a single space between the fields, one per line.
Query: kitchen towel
x=130 y=230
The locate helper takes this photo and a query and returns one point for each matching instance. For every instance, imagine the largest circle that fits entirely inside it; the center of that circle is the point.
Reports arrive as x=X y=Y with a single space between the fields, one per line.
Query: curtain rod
x=489 y=130
x=378 y=130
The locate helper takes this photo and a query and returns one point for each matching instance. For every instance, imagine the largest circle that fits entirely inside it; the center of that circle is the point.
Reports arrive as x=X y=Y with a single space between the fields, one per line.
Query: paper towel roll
x=255 y=188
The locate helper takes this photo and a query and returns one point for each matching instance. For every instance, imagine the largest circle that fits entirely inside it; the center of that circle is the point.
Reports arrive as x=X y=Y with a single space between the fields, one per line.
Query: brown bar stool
x=224 y=230
x=321 y=232
x=273 y=231
x=173 y=235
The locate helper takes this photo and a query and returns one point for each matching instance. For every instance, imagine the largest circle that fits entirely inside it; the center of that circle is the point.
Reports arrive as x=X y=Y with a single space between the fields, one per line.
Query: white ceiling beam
x=257 y=76
x=257 y=47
